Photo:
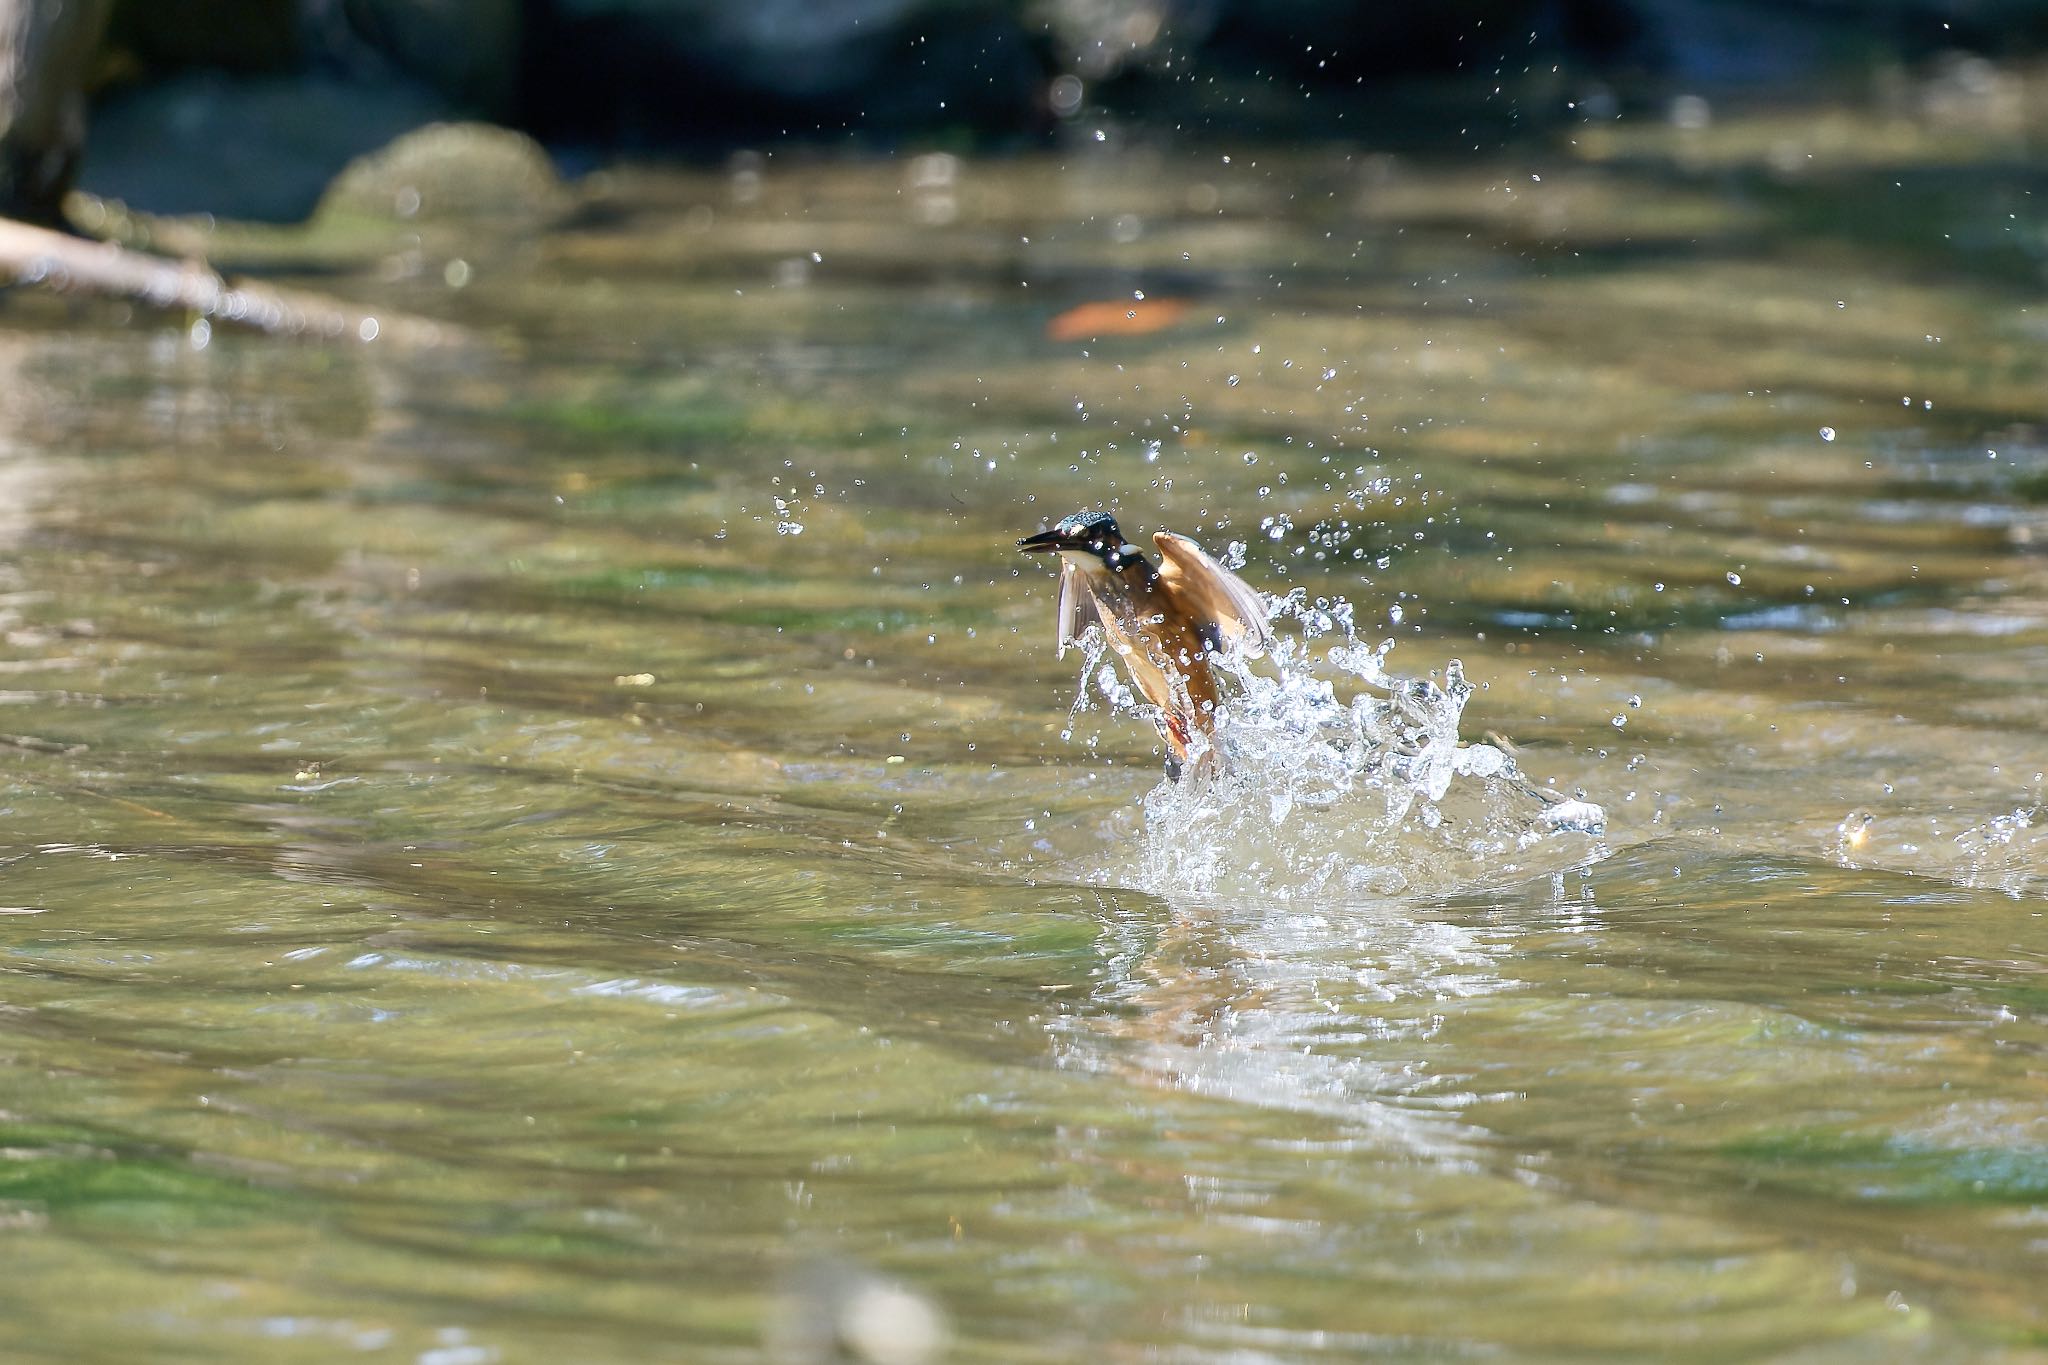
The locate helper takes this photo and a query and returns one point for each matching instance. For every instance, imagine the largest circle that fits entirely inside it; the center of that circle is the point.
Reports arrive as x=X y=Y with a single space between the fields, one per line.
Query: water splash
x=2008 y=852
x=1850 y=837
x=1299 y=795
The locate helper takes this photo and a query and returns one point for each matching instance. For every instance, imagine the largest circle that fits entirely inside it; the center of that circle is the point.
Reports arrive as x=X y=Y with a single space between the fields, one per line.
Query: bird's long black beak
x=1044 y=540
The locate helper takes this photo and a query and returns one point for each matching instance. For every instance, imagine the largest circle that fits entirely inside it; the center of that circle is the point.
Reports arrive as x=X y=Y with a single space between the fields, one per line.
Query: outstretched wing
x=1212 y=593
x=1078 y=607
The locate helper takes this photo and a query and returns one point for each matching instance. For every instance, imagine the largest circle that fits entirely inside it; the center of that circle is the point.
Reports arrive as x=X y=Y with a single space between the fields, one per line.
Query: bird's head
x=1091 y=540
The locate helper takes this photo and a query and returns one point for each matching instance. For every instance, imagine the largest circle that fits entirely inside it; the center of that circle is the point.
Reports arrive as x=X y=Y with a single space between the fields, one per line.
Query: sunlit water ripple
x=482 y=886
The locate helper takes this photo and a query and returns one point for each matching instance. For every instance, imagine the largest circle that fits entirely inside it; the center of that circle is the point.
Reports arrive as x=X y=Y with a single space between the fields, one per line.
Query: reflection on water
x=1315 y=1012
x=484 y=885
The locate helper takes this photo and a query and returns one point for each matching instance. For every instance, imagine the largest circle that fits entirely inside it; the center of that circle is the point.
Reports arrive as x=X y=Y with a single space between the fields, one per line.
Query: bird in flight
x=1164 y=620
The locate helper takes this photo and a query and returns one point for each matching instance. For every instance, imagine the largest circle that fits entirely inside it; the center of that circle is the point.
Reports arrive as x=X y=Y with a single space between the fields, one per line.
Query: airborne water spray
x=1304 y=796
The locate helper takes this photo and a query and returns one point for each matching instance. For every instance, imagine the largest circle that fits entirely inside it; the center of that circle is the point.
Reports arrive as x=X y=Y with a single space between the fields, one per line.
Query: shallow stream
x=573 y=843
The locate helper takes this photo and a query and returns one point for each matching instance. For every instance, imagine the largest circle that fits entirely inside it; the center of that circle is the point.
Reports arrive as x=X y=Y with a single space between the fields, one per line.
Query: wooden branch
x=54 y=260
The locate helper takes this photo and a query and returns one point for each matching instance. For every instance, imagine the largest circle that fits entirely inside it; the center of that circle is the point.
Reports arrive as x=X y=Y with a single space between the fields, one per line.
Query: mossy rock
x=450 y=172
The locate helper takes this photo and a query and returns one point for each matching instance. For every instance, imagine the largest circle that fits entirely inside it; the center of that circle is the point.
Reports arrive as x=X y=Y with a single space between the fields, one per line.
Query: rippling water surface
x=573 y=843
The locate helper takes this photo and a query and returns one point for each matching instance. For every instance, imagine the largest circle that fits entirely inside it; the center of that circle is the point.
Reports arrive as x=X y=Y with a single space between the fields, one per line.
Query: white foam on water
x=1300 y=794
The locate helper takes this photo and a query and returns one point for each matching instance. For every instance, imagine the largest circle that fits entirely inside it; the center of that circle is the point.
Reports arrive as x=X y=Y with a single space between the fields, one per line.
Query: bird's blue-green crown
x=1090 y=526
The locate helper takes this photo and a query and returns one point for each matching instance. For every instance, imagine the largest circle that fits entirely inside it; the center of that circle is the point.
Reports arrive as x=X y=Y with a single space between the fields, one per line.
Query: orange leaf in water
x=1125 y=318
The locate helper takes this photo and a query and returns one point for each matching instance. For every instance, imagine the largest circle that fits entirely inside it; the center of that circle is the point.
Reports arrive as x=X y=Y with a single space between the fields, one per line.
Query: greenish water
x=484 y=886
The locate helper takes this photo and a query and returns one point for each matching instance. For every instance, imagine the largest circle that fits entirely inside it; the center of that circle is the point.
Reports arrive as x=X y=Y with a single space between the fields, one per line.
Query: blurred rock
x=1968 y=92
x=1098 y=39
x=662 y=71
x=46 y=49
x=832 y=1312
x=1339 y=40
x=262 y=149
x=245 y=36
x=468 y=50
x=335 y=79
x=464 y=171
x=1760 y=42
x=246 y=109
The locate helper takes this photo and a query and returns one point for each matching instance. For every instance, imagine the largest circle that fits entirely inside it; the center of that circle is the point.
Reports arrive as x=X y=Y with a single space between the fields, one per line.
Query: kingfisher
x=1164 y=620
